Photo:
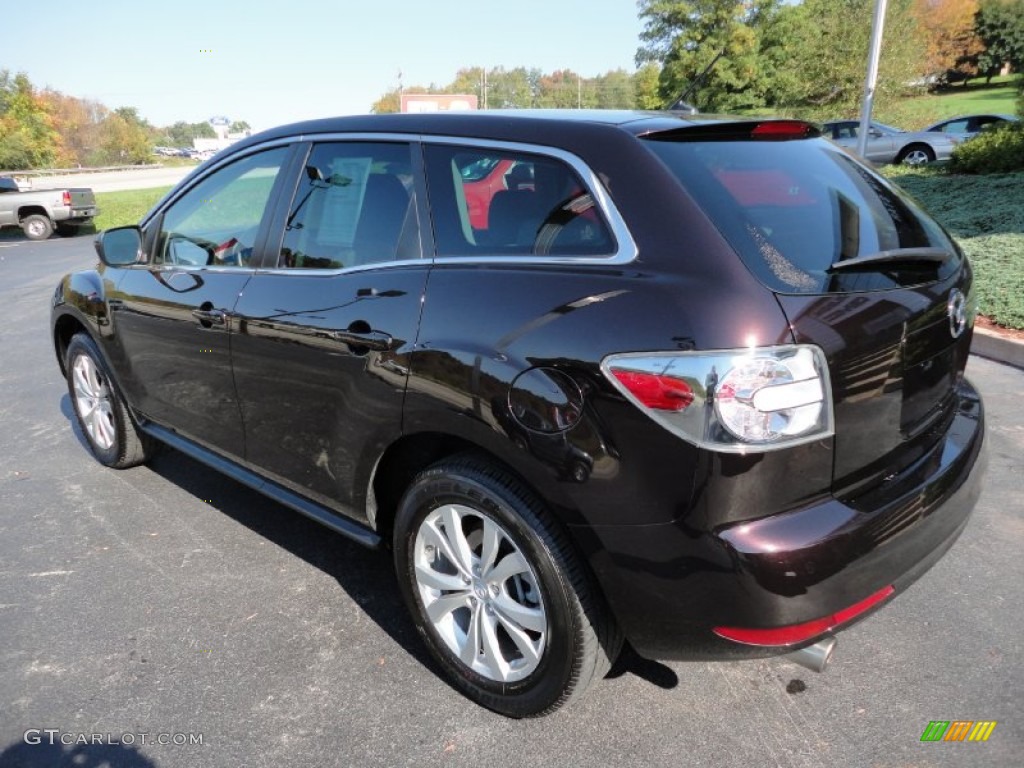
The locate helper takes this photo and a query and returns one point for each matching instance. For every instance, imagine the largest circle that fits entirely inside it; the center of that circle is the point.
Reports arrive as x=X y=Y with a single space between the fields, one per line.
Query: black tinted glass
x=216 y=222
x=354 y=206
x=792 y=209
x=492 y=202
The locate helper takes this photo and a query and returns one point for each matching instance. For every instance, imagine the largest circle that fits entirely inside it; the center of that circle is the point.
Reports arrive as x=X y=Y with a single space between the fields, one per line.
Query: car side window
x=355 y=204
x=216 y=222
x=956 y=126
x=493 y=202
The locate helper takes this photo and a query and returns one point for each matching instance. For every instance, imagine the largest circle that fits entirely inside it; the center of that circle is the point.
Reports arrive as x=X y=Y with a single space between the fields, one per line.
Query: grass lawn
x=921 y=111
x=986 y=215
x=126 y=207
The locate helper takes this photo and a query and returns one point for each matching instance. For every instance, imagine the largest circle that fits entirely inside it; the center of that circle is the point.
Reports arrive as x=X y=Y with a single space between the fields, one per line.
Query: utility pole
x=874 y=52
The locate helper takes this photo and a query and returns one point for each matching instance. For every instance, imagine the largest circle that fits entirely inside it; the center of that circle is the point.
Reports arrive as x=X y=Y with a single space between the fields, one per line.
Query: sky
x=270 y=62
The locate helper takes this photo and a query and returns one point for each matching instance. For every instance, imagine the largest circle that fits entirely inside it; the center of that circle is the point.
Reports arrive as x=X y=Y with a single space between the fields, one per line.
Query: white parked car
x=893 y=145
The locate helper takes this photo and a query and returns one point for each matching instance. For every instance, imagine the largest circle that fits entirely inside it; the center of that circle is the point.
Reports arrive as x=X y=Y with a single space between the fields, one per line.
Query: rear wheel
x=101 y=412
x=37 y=227
x=497 y=592
x=916 y=154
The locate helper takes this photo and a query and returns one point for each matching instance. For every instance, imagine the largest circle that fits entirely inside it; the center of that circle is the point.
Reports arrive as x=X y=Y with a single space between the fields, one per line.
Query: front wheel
x=497 y=592
x=916 y=154
x=102 y=415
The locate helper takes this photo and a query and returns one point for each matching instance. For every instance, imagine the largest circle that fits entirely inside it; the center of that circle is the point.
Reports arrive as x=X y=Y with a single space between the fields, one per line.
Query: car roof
x=542 y=126
x=977 y=114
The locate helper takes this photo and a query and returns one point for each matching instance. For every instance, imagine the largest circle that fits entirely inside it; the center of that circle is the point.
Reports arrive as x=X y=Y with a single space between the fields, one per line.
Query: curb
x=995 y=347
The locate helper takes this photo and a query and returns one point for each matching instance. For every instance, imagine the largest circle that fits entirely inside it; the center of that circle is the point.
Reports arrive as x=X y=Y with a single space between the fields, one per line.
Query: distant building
x=438 y=102
x=225 y=138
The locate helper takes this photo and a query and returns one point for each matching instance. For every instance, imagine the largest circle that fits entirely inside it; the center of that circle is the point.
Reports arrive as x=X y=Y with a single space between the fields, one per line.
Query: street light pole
x=874 y=52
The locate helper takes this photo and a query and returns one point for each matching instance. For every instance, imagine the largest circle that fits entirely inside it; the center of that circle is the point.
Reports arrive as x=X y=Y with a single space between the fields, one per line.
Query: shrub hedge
x=1000 y=150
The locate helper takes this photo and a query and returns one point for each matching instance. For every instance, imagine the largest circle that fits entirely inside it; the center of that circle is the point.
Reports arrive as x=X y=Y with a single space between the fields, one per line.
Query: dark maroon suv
x=696 y=384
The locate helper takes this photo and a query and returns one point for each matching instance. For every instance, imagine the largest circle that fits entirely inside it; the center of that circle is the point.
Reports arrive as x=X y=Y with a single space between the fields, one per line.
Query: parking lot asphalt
x=167 y=603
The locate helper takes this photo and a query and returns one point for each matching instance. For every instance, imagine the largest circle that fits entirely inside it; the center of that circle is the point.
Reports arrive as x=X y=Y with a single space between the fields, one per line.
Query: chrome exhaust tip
x=814 y=657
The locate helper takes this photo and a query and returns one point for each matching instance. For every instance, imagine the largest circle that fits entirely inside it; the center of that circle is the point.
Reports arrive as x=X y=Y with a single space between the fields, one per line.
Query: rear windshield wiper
x=897 y=256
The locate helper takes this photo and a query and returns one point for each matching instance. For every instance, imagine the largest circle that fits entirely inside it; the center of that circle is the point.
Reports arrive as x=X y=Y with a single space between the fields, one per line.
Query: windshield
x=793 y=209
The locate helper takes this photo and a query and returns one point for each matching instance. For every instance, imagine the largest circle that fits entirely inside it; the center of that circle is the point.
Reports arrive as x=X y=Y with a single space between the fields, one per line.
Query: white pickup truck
x=40 y=212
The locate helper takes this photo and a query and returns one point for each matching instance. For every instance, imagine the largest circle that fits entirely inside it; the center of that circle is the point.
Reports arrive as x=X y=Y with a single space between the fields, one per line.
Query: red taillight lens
x=67 y=198
x=796 y=633
x=662 y=393
x=782 y=129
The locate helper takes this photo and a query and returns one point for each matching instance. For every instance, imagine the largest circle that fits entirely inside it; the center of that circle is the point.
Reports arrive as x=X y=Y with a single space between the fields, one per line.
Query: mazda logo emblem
x=957 y=311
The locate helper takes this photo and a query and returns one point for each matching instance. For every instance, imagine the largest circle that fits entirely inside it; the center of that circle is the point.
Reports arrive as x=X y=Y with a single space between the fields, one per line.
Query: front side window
x=355 y=205
x=216 y=222
x=495 y=202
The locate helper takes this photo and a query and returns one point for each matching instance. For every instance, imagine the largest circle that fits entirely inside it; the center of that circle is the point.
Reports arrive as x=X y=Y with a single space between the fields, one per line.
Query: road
x=112 y=181
x=169 y=600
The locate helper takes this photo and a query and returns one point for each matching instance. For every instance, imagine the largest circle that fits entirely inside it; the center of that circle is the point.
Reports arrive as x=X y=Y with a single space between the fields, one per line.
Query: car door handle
x=212 y=316
x=375 y=340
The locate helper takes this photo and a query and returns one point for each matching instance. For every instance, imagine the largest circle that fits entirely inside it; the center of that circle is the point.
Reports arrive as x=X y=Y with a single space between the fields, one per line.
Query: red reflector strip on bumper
x=796 y=633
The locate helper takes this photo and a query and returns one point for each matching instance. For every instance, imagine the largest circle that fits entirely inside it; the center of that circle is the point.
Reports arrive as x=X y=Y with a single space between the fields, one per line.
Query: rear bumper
x=670 y=585
x=82 y=214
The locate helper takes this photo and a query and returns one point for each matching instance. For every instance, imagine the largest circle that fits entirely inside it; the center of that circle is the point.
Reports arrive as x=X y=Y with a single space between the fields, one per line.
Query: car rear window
x=793 y=209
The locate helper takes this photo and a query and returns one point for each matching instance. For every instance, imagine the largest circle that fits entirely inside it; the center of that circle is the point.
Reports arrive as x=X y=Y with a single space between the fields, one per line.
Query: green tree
x=239 y=126
x=1000 y=25
x=646 y=93
x=388 y=103
x=181 y=133
x=124 y=138
x=27 y=136
x=614 y=90
x=685 y=36
x=818 y=52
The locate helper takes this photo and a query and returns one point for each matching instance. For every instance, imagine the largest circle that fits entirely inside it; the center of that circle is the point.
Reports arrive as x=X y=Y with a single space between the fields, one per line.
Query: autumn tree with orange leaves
x=953 y=44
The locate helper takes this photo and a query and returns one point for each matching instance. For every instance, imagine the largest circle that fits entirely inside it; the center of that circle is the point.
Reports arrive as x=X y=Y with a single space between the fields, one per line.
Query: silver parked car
x=969 y=126
x=892 y=145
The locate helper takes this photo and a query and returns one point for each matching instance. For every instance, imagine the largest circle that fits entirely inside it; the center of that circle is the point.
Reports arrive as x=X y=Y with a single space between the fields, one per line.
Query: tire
x=37 y=226
x=503 y=603
x=67 y=230
x=102 y=415
x=916 y=154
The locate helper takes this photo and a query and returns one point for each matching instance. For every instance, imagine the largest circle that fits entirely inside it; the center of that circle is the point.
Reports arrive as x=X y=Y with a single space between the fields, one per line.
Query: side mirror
x=874 y=133
x=119 y=247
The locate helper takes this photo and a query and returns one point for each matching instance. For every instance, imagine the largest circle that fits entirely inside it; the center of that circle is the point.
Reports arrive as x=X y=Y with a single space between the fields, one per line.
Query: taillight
x=66 y=198
x=736 y=400
x=663 y=393
x=783 y=129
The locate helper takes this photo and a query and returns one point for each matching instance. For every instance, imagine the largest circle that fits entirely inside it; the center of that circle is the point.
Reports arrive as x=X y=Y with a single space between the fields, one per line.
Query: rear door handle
x=210 y=316
x=375 y=340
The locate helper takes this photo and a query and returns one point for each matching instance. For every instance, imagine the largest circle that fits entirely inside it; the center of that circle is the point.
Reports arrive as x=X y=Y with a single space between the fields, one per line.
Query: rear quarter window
x=791 y=209
x=498 y=202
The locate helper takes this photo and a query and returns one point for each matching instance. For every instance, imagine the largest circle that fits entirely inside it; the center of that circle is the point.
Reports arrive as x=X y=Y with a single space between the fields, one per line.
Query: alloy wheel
x=480 y=593
x=93 y=402
x=917 y=157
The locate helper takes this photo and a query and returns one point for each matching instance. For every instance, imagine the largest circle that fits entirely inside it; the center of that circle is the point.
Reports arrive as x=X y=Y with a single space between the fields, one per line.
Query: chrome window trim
x=625 y=253
x=344 y=270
